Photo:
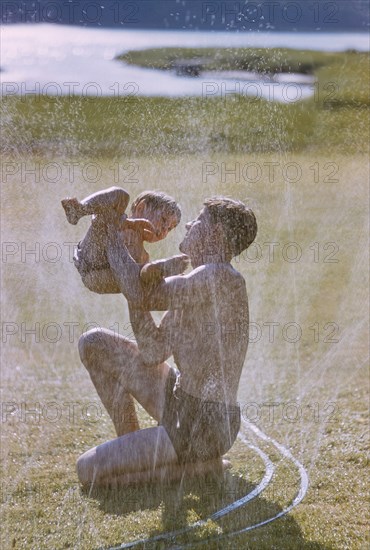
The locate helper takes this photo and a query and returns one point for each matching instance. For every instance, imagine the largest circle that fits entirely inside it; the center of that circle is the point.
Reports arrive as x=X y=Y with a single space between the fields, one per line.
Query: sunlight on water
x=53 y=59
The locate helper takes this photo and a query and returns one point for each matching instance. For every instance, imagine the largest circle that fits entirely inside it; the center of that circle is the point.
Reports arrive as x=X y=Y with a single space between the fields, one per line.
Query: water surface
x=64 y=60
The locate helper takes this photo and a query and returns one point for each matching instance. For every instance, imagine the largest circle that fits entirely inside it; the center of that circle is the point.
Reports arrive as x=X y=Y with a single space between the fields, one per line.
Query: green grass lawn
x=304 y=169
x=156 y=126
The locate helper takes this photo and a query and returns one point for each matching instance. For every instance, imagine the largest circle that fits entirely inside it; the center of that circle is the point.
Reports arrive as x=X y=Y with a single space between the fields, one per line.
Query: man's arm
x=124 y=267
x=154 y=342
x=171 y=293
x=180 y=291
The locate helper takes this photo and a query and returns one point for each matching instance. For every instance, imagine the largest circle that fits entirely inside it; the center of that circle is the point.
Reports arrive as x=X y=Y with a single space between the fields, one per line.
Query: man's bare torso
x=209 y=342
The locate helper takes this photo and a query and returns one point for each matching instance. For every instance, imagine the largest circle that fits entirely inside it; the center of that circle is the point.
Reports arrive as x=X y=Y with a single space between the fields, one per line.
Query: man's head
x=237 y=220
x=160 y=209
x=223 y=229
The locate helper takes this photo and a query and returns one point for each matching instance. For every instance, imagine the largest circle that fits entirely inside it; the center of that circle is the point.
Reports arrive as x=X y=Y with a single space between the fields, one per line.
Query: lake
x=65 y=60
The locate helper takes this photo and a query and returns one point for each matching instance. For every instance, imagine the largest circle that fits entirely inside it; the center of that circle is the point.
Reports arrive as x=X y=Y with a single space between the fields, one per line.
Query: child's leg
x=97 y=203
x=101 y=281
x=101 y=201
x=91 y=252
x=91 y=260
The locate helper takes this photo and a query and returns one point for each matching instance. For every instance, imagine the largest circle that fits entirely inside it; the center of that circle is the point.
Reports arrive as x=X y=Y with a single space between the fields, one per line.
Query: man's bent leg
x=142 y=457
x=117 y=372
x=142 y=451
x=169 y=473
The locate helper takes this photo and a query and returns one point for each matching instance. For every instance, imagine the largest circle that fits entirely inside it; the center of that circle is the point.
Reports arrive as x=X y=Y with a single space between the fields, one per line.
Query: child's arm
x=176 y=265
x=140 y=225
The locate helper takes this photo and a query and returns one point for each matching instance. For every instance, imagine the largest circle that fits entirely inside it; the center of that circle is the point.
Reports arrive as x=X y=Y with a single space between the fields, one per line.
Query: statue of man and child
x=204 y=328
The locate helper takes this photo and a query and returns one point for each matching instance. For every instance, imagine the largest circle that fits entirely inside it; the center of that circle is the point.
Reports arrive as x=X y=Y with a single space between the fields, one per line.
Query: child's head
x=160 y=209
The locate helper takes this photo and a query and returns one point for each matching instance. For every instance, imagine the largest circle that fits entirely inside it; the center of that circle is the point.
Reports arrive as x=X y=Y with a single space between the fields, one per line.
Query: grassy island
x=264 y=60
x=350 y=69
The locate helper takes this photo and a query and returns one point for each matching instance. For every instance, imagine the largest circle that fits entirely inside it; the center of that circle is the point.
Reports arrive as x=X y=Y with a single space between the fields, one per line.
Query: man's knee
x=89 y=344
x=85 y=467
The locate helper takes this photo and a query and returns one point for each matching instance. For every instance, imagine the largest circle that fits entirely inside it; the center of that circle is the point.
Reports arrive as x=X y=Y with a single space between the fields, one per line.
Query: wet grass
x=158 y=126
